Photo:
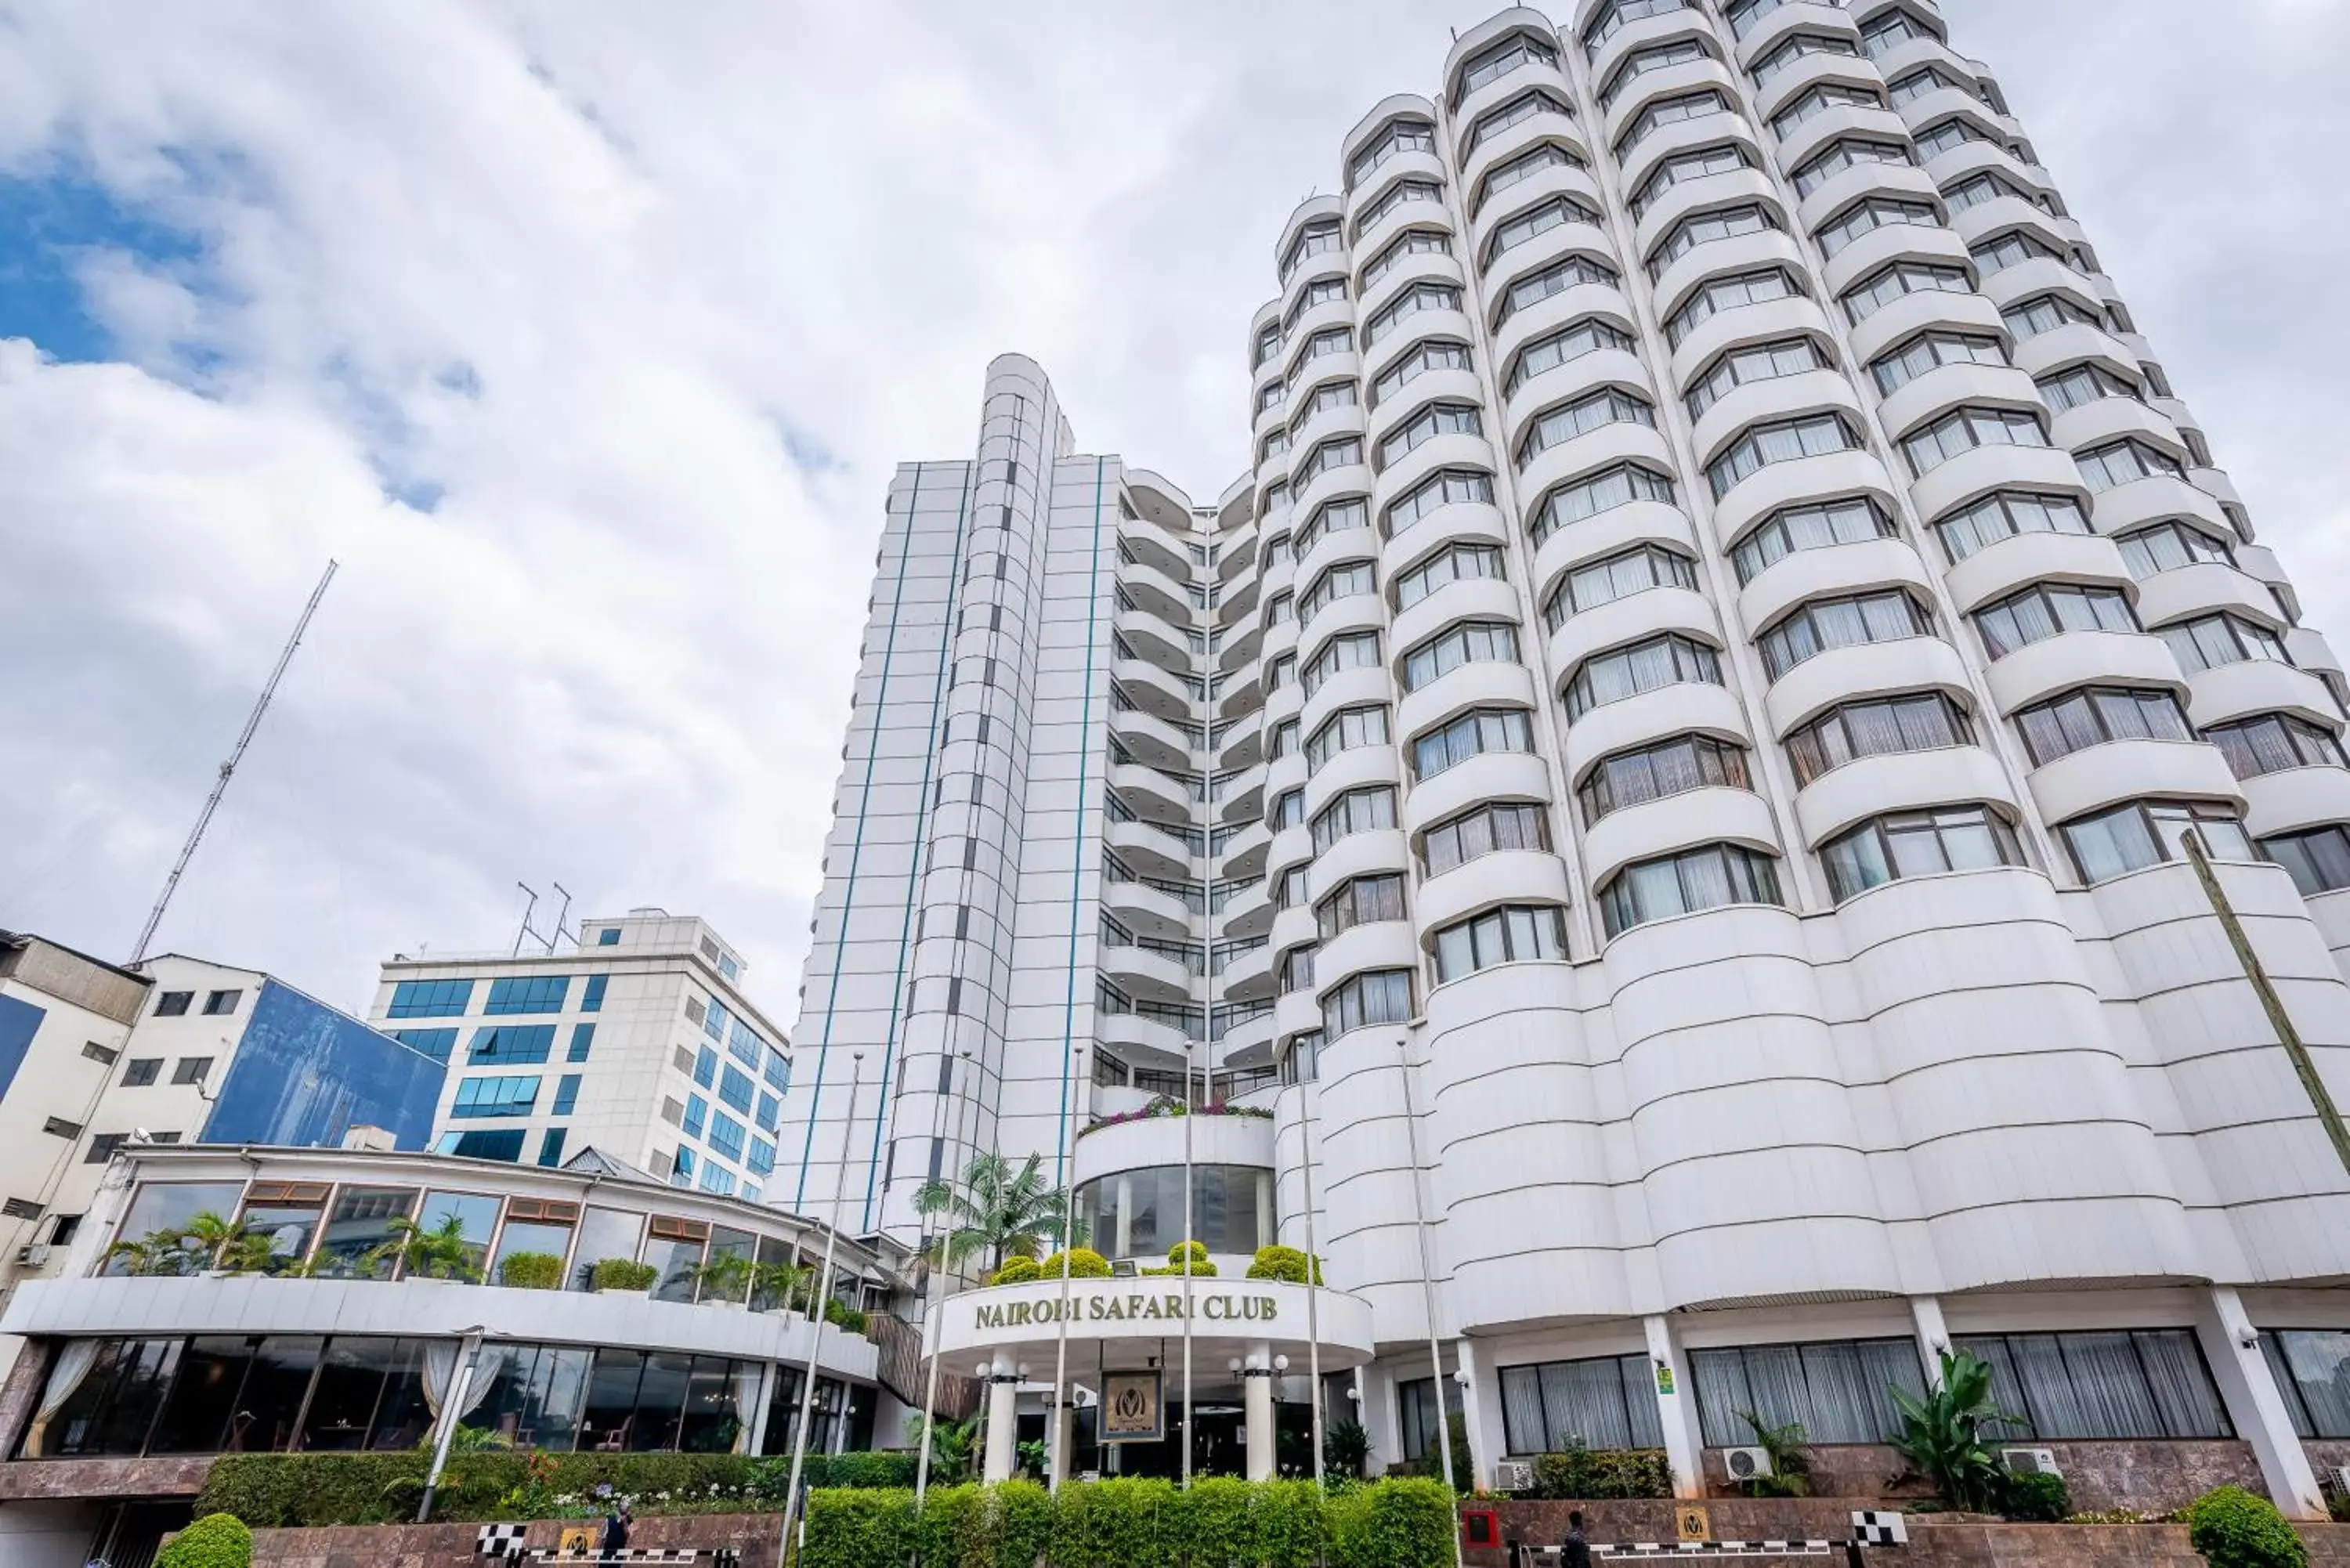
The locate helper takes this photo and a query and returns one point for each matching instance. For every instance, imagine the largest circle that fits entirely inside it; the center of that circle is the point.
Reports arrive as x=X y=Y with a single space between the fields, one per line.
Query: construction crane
x=228 y=768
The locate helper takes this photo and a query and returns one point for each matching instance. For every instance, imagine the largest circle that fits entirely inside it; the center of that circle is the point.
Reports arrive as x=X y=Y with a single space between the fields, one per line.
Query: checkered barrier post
x=717 y=1557
x=1683 y=1550
x=1879 y=1527
x=498 y=1542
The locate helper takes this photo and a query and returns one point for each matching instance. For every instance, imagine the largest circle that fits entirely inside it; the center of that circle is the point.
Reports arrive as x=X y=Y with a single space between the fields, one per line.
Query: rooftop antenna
x=527 y=908
x=228 y=768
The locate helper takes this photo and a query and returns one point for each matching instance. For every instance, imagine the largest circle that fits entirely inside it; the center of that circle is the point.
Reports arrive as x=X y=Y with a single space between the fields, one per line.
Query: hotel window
x=1455 y=563
x=1516 y=933
x=1917 y=843
x=1524 y=107
x=1560 y=425
x=2138 y=1383
x=1556 y=279
x=2211 y=640
x=2095 y=714
x=1635 y=571
x=1659 y=661
x=1484 y=830
x=1363 y=810
x=1761 y=362
x=1839 y=1390
x=1813 y=527
x=1821 y=625
x=2272 y=742
x=1963 y=429
x=1378 y=996
x=1564 y=346
x=1782 y=441
x=1601 y=491
x=1471 y=642
x=1604 y=1402
x=1722 y=294
x=2146 y=833
x=2004 y=514
x=1681 y=884
x=2050 y=609
x=2318 y=860
x=1471 y=734
x=1653 y=773
x=1931 y=352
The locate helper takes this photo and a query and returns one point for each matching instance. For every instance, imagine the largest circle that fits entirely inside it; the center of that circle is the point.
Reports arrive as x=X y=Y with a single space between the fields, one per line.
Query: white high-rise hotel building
x=1672 y=765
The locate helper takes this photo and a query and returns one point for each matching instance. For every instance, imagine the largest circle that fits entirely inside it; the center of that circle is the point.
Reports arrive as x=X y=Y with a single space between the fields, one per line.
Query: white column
x=1675 y=1410
x=1481 y=1417
x=1266 y=1231
x=2254 y=1403
x=1065 y=1438
x=1125 y=1216
x=755 y=1439
x=1933 y=1335
x=1003 y=1428
x=1381 y=1416
x=1257 y=1399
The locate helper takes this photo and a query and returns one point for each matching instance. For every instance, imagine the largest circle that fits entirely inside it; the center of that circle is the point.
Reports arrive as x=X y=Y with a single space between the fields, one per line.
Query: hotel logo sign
x=1128 y=1306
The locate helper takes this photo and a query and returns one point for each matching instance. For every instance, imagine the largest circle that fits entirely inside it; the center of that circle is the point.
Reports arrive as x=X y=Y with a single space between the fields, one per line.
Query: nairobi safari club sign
x=1128 y=1306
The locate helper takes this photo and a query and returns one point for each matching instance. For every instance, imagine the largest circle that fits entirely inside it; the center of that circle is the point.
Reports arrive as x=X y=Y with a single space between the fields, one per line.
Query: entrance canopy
x=1131 y=1321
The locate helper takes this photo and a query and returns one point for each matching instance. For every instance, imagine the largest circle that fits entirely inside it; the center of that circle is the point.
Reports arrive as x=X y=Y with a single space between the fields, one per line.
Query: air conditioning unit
x=2030 y=1461
x=1746 y=1464
x=1513 y=1475
x=2340 y=1476
x=33 y=1257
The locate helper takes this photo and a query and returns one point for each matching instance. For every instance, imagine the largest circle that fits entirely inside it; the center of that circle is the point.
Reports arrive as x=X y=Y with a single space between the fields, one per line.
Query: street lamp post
x=817 y=1305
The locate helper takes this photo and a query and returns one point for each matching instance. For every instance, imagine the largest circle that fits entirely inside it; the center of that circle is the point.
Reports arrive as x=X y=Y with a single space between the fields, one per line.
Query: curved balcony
x=1899 y=320
x=2229 y=692
x=1933 y=107
x=1452 y=450
x=1718 y=258
x=2093 y=424
x=1164 y=596
x=2038 y=275
x=1539 y=320
x=1243 y=748
x=1946 y=386
x=1146 y=912
x=1800 y=77
x=2096 y=777
x=1248 y=977
x=1686 y=22
x=2001 y=567
x=1372 y=851
x=1783 y=397
x=1533 y=255
x=1831 y=569
x=1798 y=316
x=1975 y=473
x=1143 y=1041
x=1410 y=214
x=2127 y=507
x=1833 y=194
x=2295 y=798
x=1797 y=479
x=1347 y=689
x=1151 y=850
x=2311 y=651
x=1245 y=853
x=1704 y=194
x=1465 y=598
x=1152 y=690
x=1692 y=707
x=1610 y=533
x=1500 y=877
x=1493 y=775
x=1590 y=452
x=1246 y=914
x=1558 y=179
x=1248 y=1043
x=1904 y=780
x=2054 y=665
x=2202 y=587
x=1478 y=522
x=1667 y=142
x=1669 y=81
x=1151 y=740
x=1153 y=638
x=1378 y=944
x=1629 y=619
x=1871 y=251
x=1351 y=769
x=1151 y=794
x=1711 y=815
x=1820 y=16
x=1428 y=387
x=1503 y=88
x=1144 y=975
x=2001 y=214
x=1912 y=664
x=1805 y=142
x=1498 y=148
x=1487 y=683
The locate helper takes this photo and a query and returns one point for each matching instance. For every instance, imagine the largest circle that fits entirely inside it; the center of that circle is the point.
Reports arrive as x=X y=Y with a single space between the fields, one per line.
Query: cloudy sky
x=584 y=335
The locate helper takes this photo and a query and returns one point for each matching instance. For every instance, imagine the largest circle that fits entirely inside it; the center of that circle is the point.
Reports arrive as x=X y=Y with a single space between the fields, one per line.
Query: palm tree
x=997 y=1211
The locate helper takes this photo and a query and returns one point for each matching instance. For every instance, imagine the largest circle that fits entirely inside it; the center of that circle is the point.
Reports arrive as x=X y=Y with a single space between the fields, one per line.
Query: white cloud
x=652 y=304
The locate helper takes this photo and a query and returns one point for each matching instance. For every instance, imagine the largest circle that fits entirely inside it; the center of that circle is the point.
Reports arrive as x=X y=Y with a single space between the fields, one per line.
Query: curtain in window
x=1523 y=1430
x=2181 y=1388
x=1705 y=877
x=72 y=1365
x=1875 y=728
x=1721 y=1393
x=1585 y=1400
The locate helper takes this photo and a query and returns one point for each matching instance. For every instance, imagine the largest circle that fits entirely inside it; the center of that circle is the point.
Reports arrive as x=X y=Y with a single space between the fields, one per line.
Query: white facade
x=1701 y=690
x=637 y=1039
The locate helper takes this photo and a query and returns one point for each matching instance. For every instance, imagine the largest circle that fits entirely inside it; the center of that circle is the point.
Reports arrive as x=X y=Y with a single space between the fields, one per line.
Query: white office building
x=1676 y=758
x=637 y=1039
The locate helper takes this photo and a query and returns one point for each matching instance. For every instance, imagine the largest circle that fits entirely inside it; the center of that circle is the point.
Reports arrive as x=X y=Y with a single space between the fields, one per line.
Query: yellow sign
x=1693 y=1523
x=578 y=1540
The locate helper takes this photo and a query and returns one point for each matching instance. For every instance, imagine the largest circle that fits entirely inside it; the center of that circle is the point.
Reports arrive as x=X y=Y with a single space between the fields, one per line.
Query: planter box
x=754 y=1535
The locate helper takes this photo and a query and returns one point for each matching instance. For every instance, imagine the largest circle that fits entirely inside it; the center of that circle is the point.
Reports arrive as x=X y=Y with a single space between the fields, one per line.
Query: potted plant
x=531 y=1270
x=440 y=1252
x=156 y=1252
x=222 y=1248
x=622 y=1277
x=782 y=1287
x=724 y=1280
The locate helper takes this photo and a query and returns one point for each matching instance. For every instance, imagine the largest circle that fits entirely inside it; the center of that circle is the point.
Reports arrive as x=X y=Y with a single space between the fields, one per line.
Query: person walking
x=1575 y=1551
x=616 y=1530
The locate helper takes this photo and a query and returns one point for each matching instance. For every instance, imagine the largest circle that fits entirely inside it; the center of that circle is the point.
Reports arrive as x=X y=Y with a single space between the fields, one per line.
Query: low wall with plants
x=1136 y=1523
x=274 y=1491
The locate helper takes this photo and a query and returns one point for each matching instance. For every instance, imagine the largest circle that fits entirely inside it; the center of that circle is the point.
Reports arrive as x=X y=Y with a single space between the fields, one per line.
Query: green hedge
x=1591 y=1475
x=1135 y=1523
x=215 y=1541
x=2233 y=1529
x=277 y=1489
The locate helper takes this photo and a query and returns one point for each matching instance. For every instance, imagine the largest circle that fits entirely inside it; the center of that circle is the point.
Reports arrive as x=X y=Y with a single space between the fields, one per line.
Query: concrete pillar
x=1480 y=1416
x=1675 y=1408
x=1064 y=1440
x=1268 y=1229
x=755 y=1434
x=1256 y=1405
x=1381 y=1415
x=1933 y=1336
x=1002 y=1427
x=1125 y=1216
x=2255 y=1404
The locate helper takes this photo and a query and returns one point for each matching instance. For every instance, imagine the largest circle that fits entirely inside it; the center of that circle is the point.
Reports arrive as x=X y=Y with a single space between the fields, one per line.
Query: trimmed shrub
x=2036 y=1498
x=1084 y=1264
x=2233 y=1529
x=1017 y=1270
x=1596 y=1475
x=858 y=1529
x=1116 y=1523
x=622 y=1274
x=843 y=1317
x=531 y=1270
x=1285 y=1263
x=1291 y=1528
x=1405 y=1522
x=882 y=1468
x=215 y=1541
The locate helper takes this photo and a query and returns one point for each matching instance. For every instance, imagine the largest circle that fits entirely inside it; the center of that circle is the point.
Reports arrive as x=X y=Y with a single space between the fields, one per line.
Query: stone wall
x=755 y=1535
x=2150 y=1476
x=178 y=1475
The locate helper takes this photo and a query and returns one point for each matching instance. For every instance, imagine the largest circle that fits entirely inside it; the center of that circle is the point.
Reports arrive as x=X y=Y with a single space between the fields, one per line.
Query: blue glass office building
x=305 y=1074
